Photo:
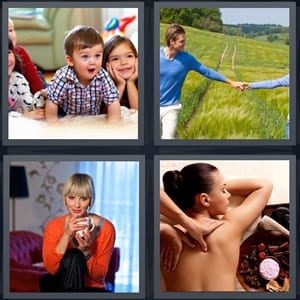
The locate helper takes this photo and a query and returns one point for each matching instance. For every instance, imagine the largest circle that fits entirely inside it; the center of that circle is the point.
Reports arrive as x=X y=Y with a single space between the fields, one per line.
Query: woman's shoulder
x=219 y=237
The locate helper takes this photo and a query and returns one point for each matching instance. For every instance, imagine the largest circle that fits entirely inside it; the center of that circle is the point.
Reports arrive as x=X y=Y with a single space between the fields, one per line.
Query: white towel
x=268 y=223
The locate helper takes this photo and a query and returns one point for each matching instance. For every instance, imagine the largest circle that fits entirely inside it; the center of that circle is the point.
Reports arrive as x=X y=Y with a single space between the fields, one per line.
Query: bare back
x=214 y=270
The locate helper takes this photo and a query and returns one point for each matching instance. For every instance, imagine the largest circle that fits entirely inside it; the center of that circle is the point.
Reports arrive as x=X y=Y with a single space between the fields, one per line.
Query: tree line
x=201 y=18
x=211 y=19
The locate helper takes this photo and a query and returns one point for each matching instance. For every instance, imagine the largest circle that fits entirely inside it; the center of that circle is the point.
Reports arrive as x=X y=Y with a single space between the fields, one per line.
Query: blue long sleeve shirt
x=271 y=84
x=173 y=73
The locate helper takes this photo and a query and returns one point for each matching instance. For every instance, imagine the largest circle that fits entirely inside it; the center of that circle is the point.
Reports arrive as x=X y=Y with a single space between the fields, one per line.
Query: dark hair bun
x=173 y=182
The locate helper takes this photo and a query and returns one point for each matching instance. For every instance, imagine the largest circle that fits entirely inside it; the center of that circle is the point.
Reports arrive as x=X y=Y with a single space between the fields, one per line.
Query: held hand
x=237 y=85
x=135 y=75
x=245 y=86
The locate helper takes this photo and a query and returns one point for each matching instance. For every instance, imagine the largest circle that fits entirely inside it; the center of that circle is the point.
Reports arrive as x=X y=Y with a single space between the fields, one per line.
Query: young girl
x=120 y=59
x=36 y=81
x=200 y=191
x=19 y=95
x=77 y=259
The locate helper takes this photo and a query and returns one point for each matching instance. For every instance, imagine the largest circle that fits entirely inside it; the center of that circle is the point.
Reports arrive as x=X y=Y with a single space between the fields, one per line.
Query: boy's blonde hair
x=79 y=185
x=82 y=36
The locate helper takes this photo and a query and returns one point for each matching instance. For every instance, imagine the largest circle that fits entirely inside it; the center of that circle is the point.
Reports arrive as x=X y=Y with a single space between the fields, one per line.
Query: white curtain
x=117 y=199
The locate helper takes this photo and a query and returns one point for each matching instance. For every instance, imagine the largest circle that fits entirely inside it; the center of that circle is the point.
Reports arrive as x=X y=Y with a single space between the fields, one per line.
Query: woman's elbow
x=267 y=184
x=267 y=188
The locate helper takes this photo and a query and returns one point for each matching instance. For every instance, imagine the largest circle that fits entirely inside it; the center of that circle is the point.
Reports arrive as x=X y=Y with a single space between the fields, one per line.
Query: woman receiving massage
x=200 y=191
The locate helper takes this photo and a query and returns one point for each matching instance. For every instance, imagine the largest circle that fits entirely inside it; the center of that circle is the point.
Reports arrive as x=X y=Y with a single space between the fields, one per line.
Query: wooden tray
x=266 y=237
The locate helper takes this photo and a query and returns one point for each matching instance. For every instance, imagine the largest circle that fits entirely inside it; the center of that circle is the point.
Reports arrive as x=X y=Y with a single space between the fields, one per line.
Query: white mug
x=89 y=225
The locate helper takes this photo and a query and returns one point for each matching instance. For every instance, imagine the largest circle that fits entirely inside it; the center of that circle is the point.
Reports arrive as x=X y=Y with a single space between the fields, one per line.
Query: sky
x=278 y=16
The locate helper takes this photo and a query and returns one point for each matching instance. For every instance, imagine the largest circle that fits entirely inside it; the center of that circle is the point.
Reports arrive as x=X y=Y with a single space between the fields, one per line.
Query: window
x=117 y=199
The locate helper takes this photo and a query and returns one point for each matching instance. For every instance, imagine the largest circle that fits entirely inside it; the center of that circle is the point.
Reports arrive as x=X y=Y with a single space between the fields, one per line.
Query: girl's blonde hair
x=79 y=185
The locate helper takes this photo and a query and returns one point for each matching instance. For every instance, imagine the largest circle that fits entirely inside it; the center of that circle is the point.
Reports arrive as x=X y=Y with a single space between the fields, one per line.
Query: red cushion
x=25 y=247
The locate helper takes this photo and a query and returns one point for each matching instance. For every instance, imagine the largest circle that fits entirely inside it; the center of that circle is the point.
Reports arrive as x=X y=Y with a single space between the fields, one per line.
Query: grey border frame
x=58 y=142
x=226 y=295
x=13 y=295
x=292 y=88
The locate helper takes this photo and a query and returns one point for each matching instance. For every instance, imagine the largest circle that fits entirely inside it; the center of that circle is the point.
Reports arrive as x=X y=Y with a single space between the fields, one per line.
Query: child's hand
x=115 y=75
x=43 y=93
x=135 y=75
x=38 y=114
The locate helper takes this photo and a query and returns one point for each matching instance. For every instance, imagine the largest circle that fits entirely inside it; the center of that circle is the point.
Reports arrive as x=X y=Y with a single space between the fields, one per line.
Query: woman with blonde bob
x=77 y=246
x=200 y=191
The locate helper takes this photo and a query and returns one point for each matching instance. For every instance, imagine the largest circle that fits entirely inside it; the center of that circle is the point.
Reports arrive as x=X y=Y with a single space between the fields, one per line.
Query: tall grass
x=213 y=110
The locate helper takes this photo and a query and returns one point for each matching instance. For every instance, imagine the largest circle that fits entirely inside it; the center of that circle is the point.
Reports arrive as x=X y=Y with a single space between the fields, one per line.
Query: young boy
x=81 y=86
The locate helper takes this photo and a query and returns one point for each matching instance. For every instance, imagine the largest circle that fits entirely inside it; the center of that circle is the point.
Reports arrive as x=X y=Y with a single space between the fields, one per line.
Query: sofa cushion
x=25 y=247
x=38 y=22
x=35 y=37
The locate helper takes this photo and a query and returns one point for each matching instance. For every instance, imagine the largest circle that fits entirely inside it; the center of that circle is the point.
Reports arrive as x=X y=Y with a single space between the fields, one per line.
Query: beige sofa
x=42 y=36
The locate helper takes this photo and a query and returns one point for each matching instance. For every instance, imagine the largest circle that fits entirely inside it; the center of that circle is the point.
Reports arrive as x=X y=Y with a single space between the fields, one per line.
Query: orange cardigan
x=101 y=250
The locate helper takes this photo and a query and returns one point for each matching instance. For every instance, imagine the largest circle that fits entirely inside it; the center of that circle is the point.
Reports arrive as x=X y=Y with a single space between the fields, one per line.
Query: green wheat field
x=214 y=110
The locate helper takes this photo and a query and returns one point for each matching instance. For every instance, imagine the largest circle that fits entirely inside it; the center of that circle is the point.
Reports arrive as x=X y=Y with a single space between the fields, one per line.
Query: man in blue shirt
x=175 y=63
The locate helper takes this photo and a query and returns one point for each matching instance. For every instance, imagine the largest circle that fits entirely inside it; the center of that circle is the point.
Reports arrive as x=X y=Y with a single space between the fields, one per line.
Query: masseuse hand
x=198 y=229
x=171 y=240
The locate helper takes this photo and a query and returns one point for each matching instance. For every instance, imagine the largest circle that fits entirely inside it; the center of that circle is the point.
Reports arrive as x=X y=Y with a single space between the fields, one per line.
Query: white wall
x=275 y=170
x=45 y=181
x=121 y=12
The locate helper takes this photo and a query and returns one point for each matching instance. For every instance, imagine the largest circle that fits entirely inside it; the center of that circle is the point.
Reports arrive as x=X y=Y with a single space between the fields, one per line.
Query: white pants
x=168 y=120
